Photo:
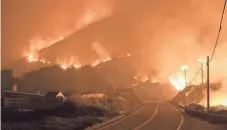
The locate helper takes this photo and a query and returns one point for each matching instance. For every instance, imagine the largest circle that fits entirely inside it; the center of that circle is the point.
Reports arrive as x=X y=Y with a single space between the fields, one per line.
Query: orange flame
x=68 y=63
x=32 y=58
x=178 y=79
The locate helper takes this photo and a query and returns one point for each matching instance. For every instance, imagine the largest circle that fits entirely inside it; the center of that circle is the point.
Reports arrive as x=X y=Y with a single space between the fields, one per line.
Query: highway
x=160 y=116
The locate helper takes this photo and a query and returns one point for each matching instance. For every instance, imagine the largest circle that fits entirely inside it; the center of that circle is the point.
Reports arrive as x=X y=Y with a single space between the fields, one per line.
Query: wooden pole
x=185 y=76
x=208 y=84
x=202 y=74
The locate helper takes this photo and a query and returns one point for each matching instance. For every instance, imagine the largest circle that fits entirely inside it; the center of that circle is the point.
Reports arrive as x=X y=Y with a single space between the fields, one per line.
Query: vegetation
x=53 y=78
x=195 y=93
x=215 y=115
x=77 y=113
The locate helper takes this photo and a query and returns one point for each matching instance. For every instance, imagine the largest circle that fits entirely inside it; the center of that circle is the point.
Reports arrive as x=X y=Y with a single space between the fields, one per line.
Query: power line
x=219 y=31
x=195 y=76
x=220 y=27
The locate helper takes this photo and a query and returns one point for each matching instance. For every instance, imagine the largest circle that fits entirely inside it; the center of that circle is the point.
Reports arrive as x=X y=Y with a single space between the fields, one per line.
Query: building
x=7 y=79
x=93 y=95
x=14 y=89
x=55 y=95
x=67 y=94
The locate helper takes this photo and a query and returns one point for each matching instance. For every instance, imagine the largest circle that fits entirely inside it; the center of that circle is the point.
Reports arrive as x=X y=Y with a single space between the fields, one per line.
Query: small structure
x=67 y=94
x=93 y=95
x=7 y=78
x=56 y=95
x=14 y=89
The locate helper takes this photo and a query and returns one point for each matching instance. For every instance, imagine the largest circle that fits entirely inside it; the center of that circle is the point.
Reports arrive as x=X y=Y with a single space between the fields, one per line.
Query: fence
x=15 y=102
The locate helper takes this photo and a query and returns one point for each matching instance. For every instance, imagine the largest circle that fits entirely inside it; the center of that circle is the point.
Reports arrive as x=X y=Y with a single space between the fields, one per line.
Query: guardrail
x=211 y=117
x=23 y=93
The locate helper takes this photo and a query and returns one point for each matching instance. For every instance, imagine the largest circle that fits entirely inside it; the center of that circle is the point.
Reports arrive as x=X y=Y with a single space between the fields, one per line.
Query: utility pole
x=184 y=68
x=185 y=77
x=208 y=84
x=202 y=78
x=202 y=75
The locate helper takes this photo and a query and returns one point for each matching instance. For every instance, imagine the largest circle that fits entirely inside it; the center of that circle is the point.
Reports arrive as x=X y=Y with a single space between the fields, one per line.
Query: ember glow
x=92 y=12
x=217 y=97
x=180 y=41
x=38 y=43
x=141 y=78
x=184 y=67
x=97 y=62
x=102 y=53
x=178 y=79
x=215 y=101
x=69 y=62
x=32 y=58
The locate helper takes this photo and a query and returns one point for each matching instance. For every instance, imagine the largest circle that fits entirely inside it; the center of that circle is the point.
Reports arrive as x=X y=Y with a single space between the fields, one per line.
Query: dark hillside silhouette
x=55 y=79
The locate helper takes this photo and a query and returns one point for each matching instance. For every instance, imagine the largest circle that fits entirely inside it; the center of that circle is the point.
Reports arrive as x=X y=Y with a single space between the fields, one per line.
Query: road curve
x=161 y=116
x=168 y=118
x=134 y=120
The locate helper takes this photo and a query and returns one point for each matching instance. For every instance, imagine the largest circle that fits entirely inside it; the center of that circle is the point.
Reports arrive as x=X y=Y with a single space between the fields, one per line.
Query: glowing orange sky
x=134 y=24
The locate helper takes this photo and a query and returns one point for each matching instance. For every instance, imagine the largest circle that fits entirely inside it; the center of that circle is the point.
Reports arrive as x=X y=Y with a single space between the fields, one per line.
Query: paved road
x=135 y=119
x=161 y=116
x=168 y=118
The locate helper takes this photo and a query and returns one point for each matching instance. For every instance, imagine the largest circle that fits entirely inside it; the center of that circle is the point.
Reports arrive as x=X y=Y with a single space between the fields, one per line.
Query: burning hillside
x=170 y=39
x=91 y=13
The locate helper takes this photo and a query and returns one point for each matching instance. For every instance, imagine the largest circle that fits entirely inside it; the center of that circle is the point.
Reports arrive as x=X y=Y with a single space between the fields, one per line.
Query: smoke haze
x=171 y=33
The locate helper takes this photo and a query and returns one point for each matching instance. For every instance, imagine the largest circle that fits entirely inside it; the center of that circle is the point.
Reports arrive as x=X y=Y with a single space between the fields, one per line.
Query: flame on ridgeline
x=92 y=12
x=70 y=62
x=103 y=54
x=142 y=78
x=73 y=62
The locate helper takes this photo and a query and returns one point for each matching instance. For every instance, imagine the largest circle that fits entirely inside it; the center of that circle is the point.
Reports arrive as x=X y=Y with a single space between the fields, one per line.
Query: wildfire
x=154 y=80
x=225 y=102
x=222 y=101
x=145 y=78
x=77 y=66
x=178 y=80
x=184 y=67
x=215 y=101
x=65 y=63
x=97 y=62
x=32 y=58
x=92 y=13
x=64 y=66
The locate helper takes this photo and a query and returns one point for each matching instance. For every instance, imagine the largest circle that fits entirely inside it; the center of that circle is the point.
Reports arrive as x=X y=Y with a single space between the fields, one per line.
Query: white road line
x=123 y=118
x=182 y=118
x=149 y=119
